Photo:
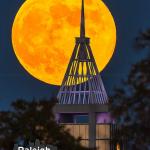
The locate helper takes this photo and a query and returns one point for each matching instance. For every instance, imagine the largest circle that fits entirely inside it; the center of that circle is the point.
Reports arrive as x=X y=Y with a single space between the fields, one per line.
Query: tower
x=82 y=100
x=82 y=83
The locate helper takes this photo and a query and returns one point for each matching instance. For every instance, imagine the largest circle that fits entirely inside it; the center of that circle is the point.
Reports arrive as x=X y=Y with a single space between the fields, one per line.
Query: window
x=102 y=131
x=103 y=136
x=79 y=130
x=81 y=119
x=103 y=144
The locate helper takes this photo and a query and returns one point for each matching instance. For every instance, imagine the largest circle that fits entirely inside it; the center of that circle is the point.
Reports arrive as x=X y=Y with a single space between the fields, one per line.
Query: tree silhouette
x=143 y=40
x=130 y=103
x=28 y=121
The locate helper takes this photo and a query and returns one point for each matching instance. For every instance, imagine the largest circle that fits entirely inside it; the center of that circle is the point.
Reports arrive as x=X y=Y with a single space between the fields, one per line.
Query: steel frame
x=82 y=83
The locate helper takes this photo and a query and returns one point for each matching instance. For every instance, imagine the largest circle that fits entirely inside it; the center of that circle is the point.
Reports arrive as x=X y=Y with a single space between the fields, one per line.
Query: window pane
x=70 y=128
x=66 y=118
x=85 y=143
x=103 y=144
x=84 y=131
x=81 y=119
x=78 y=130
x=102 y=131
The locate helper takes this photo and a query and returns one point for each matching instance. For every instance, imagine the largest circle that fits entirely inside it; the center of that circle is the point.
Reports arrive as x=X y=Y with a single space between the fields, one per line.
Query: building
x=83 y=102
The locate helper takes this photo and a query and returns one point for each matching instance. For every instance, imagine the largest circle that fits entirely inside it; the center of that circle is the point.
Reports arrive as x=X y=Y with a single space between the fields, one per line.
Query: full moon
x=44 y=31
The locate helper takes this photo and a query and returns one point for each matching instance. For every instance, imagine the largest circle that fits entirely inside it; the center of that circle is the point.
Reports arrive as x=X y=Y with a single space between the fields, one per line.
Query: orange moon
x=44 y=31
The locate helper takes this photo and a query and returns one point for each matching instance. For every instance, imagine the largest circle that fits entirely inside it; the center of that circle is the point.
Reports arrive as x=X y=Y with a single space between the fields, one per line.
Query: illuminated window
x=85 y=143
x=103 y=144
x=103 y=136
x=79 y=131
x=102 y=131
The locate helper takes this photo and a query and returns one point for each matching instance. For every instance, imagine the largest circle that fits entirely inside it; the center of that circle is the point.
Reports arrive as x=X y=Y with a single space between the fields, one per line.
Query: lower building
x=92 y=123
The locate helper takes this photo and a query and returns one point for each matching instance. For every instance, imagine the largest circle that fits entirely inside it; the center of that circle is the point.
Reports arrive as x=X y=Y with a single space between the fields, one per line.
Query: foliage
x=28 y=121
x=143 y=40
x=130 y=103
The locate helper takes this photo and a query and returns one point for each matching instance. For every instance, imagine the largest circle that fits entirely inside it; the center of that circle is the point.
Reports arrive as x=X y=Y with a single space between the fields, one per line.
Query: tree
x=28 y=121
x=130 y=103
x=143 y=40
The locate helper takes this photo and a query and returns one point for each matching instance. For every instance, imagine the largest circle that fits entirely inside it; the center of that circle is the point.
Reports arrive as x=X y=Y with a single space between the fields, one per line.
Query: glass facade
x=102 y=131
x=82 y=130
x=103 y=136
x=73 y=118
x=79 y=130
x=78 y=126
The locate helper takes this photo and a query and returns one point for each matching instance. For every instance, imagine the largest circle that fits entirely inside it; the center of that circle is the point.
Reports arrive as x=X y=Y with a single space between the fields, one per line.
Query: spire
x=82 y=26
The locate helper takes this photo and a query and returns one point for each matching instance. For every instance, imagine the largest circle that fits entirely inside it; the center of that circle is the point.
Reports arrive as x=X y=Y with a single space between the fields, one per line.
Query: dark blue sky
x=131 y=16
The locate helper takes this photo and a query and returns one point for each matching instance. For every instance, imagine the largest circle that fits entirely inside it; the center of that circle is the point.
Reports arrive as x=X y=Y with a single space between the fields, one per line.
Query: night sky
x=131 y=16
